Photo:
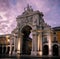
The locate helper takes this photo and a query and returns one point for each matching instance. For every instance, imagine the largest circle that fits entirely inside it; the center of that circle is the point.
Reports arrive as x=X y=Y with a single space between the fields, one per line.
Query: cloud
x=10 y=9
x=0 y=17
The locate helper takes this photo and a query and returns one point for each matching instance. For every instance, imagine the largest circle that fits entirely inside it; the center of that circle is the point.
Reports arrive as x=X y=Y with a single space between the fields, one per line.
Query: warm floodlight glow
x=49 y=40
x=8 y=40
x=40 y=53
x=18 y=46
x=38 y=42
x=7 y=37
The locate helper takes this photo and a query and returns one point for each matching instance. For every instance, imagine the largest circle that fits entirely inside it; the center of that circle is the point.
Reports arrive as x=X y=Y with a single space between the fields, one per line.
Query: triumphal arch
x=33 y=35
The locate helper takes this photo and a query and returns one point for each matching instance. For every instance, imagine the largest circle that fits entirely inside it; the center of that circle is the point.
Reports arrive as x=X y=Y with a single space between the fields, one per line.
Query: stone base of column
x=10 y=52
x=41 y=53
x=50 y=52
x=14 y=53
x=18 y=51
x=36 y=53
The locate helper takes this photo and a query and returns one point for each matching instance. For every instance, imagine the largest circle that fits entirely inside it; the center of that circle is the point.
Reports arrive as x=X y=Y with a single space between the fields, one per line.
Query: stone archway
x=55 y=50
x=45 y=50
x=26 y=40
x=36 y=21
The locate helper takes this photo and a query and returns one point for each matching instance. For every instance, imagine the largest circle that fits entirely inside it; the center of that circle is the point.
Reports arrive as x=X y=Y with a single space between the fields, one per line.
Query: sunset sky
x=10 y=9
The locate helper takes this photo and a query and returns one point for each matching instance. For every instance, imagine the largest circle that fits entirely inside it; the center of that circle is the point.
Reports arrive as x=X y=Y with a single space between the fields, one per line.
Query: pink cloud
x=10 y=10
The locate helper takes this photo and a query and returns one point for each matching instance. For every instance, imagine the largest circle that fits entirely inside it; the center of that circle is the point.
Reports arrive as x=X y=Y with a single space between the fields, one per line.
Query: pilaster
x=19 y=45
x=40 y=42
x=49 y=42
x=36 y=44
x=10 y=47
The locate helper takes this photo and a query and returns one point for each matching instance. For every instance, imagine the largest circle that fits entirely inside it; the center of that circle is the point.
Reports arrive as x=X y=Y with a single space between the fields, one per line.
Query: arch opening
x=45 y=50
x=55 y=50
x=27 y=41
x=4 y=50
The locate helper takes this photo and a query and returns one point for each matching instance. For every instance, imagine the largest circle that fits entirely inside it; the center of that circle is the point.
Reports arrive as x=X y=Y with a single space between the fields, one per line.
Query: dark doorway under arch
x=55 y=50
x=27 y=41
x=45 y=50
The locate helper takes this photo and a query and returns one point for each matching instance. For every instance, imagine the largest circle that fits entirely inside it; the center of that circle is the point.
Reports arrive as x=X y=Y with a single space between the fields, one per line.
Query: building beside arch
x=56 y=44
x=5 y=44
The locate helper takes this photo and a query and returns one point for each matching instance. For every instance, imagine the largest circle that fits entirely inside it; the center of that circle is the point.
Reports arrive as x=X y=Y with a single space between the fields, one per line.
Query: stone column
x=37 y=44
x=34 y=44
x=10 y=47
x=6 y=48
x=32 y=52
x=14 y=42
x=19 y=44
x=49 y=42
x=40 y=43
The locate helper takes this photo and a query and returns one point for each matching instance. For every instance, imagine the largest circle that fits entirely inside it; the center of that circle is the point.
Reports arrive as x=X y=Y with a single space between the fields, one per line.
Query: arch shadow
x=27 y=41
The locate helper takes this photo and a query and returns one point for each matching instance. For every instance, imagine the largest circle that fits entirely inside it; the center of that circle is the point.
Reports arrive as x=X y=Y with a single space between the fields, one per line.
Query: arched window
x=45 y=50
x=55 y=50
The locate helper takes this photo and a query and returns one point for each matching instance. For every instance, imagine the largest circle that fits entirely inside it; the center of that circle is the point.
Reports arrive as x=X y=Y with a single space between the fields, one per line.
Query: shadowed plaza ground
x=28 y=57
